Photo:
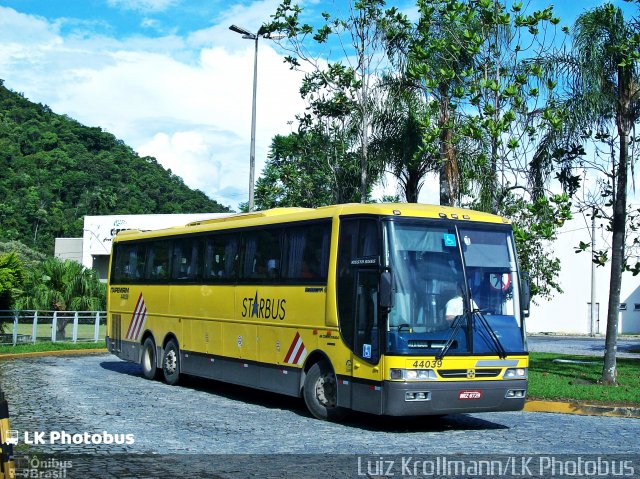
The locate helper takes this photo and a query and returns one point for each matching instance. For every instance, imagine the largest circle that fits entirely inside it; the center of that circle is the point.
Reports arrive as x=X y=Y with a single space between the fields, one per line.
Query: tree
x=477 y=64
x=604 y=99
x=62 y=286
x=296 y=174
x=339 y=92
x=308 y=169
x=476 y=60
x=11 y=278
x=401 y=122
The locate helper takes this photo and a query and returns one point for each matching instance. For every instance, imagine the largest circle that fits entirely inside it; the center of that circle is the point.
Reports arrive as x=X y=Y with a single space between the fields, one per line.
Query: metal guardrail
x=51 y=326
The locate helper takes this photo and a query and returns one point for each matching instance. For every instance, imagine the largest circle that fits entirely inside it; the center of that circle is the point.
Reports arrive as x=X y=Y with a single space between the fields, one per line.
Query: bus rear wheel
x=321 y=393
x=171 y=363
x=149 y=362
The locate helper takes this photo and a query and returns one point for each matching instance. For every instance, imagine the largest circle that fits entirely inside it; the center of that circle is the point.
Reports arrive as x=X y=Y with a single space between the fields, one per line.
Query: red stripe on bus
x=133 y=317
x=291 y=348
x=138 y=319
x=300 y=351
x=141 y=320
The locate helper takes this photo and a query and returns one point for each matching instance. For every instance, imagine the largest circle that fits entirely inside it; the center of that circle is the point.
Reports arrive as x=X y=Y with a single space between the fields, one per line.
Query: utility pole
x=247 y=35
x=592 y=329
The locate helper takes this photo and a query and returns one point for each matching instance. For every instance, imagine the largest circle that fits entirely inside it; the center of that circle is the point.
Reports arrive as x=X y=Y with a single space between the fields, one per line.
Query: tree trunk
x=449 y=172
x=609 y=369
x=412 y=186
x=61 y=326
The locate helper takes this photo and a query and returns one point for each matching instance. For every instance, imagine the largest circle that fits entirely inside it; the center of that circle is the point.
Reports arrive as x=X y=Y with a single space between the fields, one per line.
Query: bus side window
x=262 y=252
x=187 y=259
x=158 y=260
x=129 y=262
x=221 y=257
x=306 y=253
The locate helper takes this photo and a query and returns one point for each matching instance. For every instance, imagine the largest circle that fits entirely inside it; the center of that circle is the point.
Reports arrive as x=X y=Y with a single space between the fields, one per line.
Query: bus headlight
x=413 y=374
x=515 y=373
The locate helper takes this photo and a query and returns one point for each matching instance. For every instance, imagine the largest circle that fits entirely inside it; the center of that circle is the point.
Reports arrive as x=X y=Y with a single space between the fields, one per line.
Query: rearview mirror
x=525 y=294
x=386 y=290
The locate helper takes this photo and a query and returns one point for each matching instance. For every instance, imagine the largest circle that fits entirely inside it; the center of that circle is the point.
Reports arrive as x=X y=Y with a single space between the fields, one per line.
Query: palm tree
x=399 y=135
x=604 y=80
x=62 y=286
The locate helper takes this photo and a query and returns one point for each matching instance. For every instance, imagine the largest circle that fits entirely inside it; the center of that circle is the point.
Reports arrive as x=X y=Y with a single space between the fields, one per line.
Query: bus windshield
x=444 y=275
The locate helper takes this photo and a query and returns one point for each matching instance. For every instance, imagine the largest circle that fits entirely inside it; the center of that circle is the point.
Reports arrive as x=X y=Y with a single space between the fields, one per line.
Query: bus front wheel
x=321 y=393
x=149 y=363
x=171 y=363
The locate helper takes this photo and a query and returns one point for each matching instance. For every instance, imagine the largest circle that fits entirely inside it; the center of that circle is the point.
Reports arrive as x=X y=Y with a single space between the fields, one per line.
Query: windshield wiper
x=458 y=322
x=502 y=353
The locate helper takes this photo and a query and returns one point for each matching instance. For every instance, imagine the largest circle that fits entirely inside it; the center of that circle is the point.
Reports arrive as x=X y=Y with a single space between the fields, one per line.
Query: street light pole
x=252 y=153
x=246 y=34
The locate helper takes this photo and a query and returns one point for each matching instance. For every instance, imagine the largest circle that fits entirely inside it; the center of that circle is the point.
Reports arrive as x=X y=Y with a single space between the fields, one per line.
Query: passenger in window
x=455 y=306
x=272 y=268
x=305 y=271
x=260 y=270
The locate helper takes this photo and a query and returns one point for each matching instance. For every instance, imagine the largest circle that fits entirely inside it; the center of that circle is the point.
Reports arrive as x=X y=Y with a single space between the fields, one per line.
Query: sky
x=169 y=78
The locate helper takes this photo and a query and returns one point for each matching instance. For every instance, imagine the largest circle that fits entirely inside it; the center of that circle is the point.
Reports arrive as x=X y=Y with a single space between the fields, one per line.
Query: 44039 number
x=428 y=363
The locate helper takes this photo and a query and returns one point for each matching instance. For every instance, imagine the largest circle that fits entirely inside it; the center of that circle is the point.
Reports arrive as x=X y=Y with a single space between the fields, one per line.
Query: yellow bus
x=395 y=309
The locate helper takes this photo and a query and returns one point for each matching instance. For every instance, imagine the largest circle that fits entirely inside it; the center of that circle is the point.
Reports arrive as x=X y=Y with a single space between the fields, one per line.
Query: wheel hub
x=326 y=390
x=170 y=362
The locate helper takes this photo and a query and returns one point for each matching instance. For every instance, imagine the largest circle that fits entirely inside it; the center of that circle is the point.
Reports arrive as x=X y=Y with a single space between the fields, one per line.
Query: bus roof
x=285 y=215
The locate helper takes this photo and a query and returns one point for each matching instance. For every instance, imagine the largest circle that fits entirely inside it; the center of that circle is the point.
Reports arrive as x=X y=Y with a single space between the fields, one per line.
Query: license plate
x=466 y=395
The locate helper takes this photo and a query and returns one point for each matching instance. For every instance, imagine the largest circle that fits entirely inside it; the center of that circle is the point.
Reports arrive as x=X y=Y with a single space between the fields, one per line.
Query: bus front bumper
x=434 y=398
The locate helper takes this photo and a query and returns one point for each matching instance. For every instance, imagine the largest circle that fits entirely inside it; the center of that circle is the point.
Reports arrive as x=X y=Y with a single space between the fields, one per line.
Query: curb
x=59 y=352
x=558 y=407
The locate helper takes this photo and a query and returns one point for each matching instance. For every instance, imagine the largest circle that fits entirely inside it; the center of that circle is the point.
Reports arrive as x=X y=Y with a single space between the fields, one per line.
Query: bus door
x=359 y=318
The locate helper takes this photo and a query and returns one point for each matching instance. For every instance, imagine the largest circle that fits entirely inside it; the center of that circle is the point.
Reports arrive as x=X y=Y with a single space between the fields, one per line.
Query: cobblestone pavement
x=582 y=345
x=100 y=393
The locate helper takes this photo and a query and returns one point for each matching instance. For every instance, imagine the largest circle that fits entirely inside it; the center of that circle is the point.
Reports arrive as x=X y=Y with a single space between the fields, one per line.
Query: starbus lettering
x=263 y=308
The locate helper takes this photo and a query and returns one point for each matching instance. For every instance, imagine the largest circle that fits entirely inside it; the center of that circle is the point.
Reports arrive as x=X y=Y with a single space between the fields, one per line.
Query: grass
x=566 y=381
x=49 y=346
x=85 y=331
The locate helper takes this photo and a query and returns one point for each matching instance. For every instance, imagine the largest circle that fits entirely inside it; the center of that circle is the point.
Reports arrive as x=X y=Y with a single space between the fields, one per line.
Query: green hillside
x=53 y=171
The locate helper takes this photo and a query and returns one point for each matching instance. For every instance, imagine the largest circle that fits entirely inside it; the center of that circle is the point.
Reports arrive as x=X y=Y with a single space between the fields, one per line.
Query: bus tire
x=321 y=393
x=171 y=363
x=149 y=360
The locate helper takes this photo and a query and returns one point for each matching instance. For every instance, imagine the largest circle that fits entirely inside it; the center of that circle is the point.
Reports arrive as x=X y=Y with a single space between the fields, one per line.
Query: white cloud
x=143 y=5
x=186 y=102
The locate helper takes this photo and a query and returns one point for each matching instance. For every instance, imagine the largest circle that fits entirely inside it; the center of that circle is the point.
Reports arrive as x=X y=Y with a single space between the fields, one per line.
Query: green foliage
x=55 y=171
x=400 y=130
x=577 y=378
x=478 y=64
x=30 y=258
x=338 y=93
x=602 y=107
x=307 y=169
x=45 y=346
x=11 y=278
x=63 y=286
x=535 y=227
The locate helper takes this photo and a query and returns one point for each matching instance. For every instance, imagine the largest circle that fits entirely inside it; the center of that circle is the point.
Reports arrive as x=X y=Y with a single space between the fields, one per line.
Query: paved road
x=582 y=345
x=100 y=393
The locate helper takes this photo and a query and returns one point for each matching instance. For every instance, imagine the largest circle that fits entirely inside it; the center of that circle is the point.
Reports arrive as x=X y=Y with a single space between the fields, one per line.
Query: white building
x=570 y=312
